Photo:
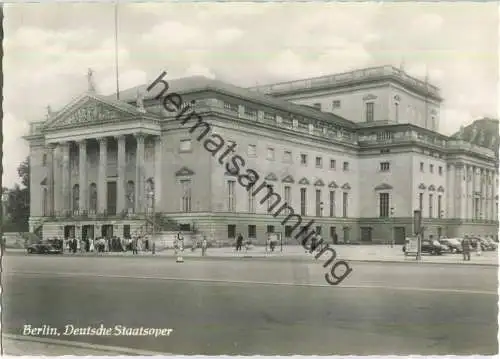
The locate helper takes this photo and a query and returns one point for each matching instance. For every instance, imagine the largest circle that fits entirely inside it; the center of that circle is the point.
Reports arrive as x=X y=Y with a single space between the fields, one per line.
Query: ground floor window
x=252 y=231
x=231 y=231
x=126 y=231
x=288 y=231
x=318 y=230
x=270 y=229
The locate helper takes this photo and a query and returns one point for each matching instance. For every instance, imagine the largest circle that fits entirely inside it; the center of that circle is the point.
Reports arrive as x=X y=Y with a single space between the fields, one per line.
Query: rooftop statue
x=461 y=133
x=49 y=112
x=481 y=138
x=140 y=101
x=90 y=81
x=474 y=134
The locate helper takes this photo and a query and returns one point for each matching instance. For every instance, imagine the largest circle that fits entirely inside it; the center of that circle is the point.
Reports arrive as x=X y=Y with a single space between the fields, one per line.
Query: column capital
x=140 y=137
x=120 y=137
x=82 y=142
x=102 y=140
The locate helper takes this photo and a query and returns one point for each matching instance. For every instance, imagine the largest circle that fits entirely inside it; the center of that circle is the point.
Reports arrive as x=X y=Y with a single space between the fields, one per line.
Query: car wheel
x=30 y=251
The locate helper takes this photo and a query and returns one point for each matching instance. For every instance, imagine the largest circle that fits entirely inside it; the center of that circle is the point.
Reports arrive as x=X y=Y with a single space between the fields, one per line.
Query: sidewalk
x=35 y=346
x=357 y=253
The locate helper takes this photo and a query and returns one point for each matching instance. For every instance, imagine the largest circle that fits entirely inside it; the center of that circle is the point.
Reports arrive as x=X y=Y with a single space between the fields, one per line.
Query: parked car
x=485 y=244
x=43 y=248
x=454 y=244
x=492 y=243
x=432 y=247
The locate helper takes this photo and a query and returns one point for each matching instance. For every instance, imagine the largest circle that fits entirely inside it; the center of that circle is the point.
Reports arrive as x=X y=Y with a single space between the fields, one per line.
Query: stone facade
x=107 y=167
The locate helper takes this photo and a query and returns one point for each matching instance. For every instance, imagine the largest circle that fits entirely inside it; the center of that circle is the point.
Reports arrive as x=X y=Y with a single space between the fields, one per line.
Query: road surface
x=252 y=306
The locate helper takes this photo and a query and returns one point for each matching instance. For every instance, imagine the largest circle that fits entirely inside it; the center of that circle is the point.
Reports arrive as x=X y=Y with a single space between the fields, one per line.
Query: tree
x=18 y=201
x=24 y=172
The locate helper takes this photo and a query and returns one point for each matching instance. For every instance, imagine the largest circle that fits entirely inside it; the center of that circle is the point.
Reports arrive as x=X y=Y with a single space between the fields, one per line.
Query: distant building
x=356 y=152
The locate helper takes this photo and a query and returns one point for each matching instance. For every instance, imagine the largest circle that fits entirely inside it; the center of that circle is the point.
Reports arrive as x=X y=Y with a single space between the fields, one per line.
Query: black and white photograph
x=250 y=178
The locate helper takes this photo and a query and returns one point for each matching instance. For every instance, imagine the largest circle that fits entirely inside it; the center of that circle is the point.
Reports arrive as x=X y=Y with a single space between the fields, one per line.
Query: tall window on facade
x=318 y=203
x=231 y=195
x=332 y=203
x=421 y=167
x=252 y=231
x=440 y=170
x=421 y=202
x=303 y=159
x=93 y=198
x=44 y=160
x=303 y=202
x=319 y=162
x=477 y=209
x=130 y=195
x=335 y=104
x=345 y=204
x=252 y=150
x=231 y=231
x=76 y=197
x=384 y=205
x=440 y=215
x=345 y=166
x=333 y=164
x=251 y=202
x=396 y=111
x=150 y=193
x=287 y=157
x=270 y=200
x=370 y=106
x=270 y=154
x=270 y=229
x=431 y=168
x=288 y=197
x=45 y=201
x=431 y=214
x=186 y=195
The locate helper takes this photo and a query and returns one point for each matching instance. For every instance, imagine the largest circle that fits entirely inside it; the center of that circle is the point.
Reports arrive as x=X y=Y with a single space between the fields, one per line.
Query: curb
x=81 y=345
x=295 y=258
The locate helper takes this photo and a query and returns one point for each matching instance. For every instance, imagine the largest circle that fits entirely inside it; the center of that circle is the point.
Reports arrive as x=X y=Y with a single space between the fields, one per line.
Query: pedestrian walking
x=466 y=244
x=335 y=238
x=204 y=245
x=134 y=245
x=239 y=242
x=478 y=247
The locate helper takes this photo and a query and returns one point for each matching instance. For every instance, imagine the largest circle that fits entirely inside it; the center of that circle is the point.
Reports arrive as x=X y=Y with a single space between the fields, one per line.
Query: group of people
x=103 y=244
x=179 y=244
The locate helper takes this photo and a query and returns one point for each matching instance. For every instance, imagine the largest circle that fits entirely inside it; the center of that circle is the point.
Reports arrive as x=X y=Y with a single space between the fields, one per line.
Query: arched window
x=76 y=197
x=150 y=193
x=45 y=201
x=130 y=195
x=93 y=198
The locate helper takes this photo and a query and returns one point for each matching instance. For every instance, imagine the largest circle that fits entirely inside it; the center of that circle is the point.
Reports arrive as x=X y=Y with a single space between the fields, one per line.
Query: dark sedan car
x=43 y=248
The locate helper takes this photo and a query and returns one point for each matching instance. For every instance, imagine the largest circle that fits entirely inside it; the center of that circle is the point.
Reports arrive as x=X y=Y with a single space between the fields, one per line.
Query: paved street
x=255 y=306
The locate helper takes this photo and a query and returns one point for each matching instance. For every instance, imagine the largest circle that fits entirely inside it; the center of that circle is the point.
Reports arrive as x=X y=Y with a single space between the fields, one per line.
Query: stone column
x=120 y=184
x=139 y=174
x=460 y=187
x=469 y=192
x=51 y=170
x=102 y=186
x=66 y=190
x=82 y=168
x=158 y=171
x=450 y=191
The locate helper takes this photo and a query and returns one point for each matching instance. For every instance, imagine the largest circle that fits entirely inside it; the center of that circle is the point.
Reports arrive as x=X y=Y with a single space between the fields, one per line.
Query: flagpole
x=116 y=52
x=426 y=101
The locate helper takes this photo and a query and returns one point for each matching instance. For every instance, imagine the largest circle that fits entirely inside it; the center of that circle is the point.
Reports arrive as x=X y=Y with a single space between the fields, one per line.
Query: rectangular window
x=440 y=170
x=303 y=202
x=303 y=159
x=252 y=150
x=319 y=162
x=287 y=157
x=270 y=154
x=231 y=195
x=345 y=203
x=333 y=164
x=370 y=111
x=44 y=160
x=332 y=203
x=421 y=167
x=345 y=166
x=319 y=204
x=396 y=110
x=252 y=231
x=250 y=112
x=335 y=104
x=318 y=230
x=430 y=206
x=431 y=168
x=317 y=105
x=288 y=231
x=288 y=196
x=271 y=200
x=270 y=229
x=439 y=207
x=251 y=202
x=231 y=231
x=477 y=209
x=186 y=195
x=384 y=205
x=421 y=202
x=269 y=116
x=185 y=146
x=384 y=166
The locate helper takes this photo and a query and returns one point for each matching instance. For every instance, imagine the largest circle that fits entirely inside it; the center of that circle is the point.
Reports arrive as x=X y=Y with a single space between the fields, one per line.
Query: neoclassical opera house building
x=357 y=152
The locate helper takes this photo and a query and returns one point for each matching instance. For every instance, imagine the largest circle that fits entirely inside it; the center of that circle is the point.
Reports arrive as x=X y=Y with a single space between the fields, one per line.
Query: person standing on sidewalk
x=239 y=242
x=204 y=245
x=466 y=244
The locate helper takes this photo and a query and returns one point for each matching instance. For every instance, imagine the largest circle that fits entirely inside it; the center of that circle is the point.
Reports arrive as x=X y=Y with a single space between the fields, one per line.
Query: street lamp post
x=391 y=215
x=153 y=234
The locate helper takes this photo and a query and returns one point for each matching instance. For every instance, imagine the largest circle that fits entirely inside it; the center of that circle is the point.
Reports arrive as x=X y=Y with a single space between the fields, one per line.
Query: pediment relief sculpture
x=288 y=179
x=432 y=187
x=184 y=171
x=346 y=186
x=332 y=184
x=421 y=186
x=319 y=182
x=304 y=181
x=440 y=189
x=271 y=177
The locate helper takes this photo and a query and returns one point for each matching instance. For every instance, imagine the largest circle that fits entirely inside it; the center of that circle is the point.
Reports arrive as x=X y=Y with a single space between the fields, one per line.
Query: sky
x=49 y=47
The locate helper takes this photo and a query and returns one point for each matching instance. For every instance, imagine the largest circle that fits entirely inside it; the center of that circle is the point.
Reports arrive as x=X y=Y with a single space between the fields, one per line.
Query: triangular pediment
x=184 y=171
x=288 y=179
x=421 y=186
x=319 y=182
x=91 y=109
x=432 y=187
x=440 y=189
x=346 y=186
x=332 y=184
x=44 y=182
x=369 y=97
x=304 y=180
x=271 y=177
x=383 y=187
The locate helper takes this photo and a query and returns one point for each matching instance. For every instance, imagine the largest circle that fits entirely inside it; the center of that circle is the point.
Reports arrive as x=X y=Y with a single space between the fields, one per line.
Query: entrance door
x=347 y=231
x=399 y=235
x=107 y=230
x=112 y=192
x=87 y=231
x=440 y=232
x=366 y=234
x=69 y=232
